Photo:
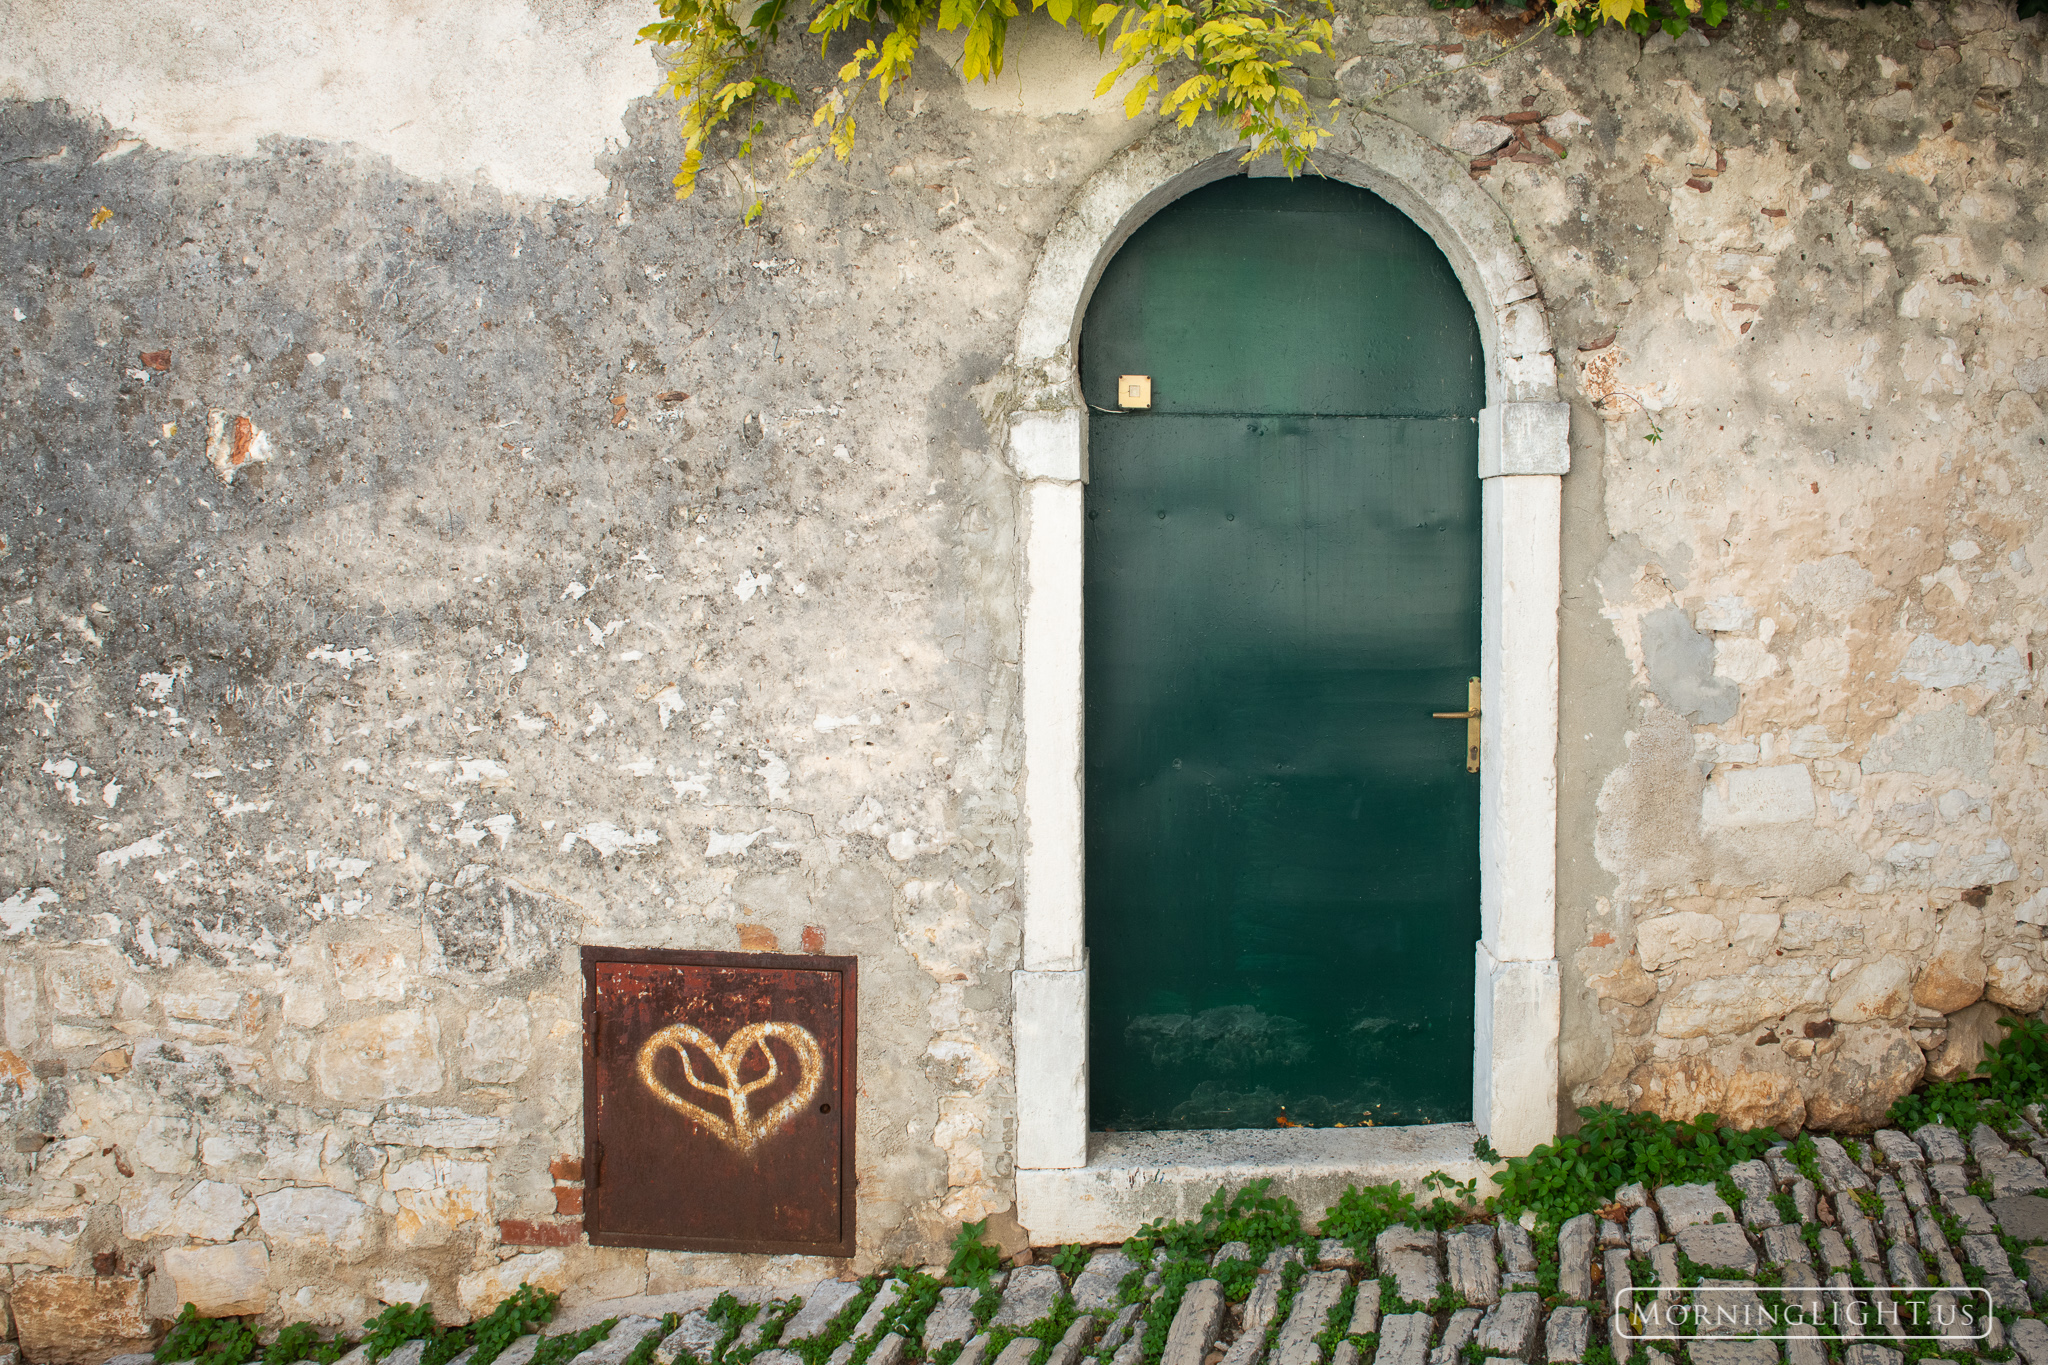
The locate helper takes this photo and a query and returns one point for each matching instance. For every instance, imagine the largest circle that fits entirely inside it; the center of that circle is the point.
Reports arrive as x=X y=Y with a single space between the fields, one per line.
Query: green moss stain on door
x=1282 y=584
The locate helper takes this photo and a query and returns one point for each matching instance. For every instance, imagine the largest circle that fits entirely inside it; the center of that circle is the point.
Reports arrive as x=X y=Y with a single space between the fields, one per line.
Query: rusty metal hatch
x=717 y=1110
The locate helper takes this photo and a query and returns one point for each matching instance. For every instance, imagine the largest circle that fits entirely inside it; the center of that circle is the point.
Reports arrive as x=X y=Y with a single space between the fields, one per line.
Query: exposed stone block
x=220 y=1281
x=78 y=1319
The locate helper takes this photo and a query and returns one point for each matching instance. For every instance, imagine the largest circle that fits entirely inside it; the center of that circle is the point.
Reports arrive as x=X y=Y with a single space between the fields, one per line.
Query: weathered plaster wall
x=600 y=570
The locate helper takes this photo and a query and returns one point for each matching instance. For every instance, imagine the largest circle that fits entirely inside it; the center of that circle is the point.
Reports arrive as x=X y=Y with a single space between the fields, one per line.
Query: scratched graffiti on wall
x=743 y=1131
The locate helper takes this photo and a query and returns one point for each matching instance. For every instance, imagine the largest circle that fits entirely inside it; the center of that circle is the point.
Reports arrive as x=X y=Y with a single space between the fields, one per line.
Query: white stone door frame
x=1523 y=452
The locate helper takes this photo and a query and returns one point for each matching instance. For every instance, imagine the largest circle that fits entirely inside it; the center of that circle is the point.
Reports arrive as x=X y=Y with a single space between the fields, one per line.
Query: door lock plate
x=1470 y=715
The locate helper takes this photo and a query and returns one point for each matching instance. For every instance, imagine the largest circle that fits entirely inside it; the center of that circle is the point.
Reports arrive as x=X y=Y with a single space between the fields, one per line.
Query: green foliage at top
x=2013 y=1075
x=1237 y=59
x=974 y=1261
x=219 y=1341
x=1579 y=1173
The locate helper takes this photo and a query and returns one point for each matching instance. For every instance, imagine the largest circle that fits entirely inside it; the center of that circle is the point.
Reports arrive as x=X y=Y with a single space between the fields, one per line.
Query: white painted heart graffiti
x=743 y=1132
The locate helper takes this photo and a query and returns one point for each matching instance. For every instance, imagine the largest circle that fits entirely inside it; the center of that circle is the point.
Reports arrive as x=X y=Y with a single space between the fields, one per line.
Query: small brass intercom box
x=1134 y=391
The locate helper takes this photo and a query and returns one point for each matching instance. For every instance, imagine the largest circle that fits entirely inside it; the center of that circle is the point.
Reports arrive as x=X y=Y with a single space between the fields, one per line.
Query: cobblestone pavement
x=1934 y=1210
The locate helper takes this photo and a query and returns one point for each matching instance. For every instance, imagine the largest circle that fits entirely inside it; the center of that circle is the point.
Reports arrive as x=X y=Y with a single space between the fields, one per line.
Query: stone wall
x=410 y=576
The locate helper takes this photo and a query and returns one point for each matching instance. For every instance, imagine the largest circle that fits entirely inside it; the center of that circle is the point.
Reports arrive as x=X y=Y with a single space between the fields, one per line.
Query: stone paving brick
x=1866 y=1353
x=1664 y=1260
x=1517 y=1253
x=1404 y=1340
x=1987 y=1253
x=1728 y=1308
x=1019 y=1351
x=1736 y=1353
x=1856 y=1228
x=1685 y=1206
x=892 y=1290
x=1409 y=1255
x=1785 y=1244
x=1834 y=1252
x=1618 y=1280
x=1941 y=1144
x=518 y=1353
x=2013 y=1174
x=1805 y=1346
x=1510 y=1326
x=1897 y=1148
x=1075 y=1343
x=1567 y=1335
x=1753 y=1178
x=1972 y=1212
x=1333 y=1254
x=1804 y=1287
x=1897 y=1217
x=1782 y=1169
x=411 y=1352
x=1260 y=1304
x=1718 y=1246
x=1904 y=1266
x=1474 y=1272
x=1948 y=1179
x=822 y=1302
x=890 y=1350
x=2024 y=1216
x=1837 y=1171
x=1028 y=1297
x=751 y=1334
x=1805 y=1199
x=1345 y=1354
x=1458 y=1331
x=1632 y=1196
x=1231 y=1251
x=2037 y=1272
x=1314 y=1297
x=615 y=1346
x=951 y=1320
x=1613 y=1232
x=1195 y=1324
x=1575 y=1257
x=1365 y=1309
x=1120 y=1328
x=1642 y=1232
x=696 y=1335
x=2030 y=1339
x=1913 y=1184
x=1096 y=1287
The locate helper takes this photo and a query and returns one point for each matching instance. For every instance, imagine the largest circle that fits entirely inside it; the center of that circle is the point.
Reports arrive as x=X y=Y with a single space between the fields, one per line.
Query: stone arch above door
x=1069 y=1186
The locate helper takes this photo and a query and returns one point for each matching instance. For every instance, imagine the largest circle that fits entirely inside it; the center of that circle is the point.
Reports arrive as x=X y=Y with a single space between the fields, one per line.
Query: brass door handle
x=1471 y=718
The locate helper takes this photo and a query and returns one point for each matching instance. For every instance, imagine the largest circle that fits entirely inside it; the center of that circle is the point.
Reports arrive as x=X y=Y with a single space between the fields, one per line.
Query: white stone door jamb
x=1523 y=452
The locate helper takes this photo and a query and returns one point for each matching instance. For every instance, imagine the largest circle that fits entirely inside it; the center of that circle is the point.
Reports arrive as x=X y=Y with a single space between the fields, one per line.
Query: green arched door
x=1282 y=584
